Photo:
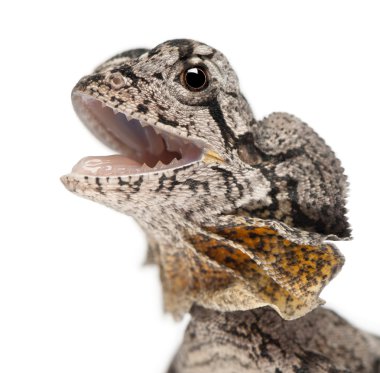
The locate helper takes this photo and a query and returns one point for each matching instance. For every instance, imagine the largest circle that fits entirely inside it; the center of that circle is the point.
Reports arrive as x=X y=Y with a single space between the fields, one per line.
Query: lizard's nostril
x=116 y=80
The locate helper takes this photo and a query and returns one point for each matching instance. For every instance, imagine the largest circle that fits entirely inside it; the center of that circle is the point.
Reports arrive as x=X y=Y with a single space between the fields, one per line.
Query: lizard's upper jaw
x=143 y=147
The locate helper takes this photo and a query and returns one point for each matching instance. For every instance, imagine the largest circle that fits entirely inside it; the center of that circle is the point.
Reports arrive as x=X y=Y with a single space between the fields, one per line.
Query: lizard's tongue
x=112 y=165
x=119 y=165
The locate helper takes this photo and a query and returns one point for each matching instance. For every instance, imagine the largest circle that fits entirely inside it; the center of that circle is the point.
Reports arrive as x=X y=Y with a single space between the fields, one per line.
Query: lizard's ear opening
x=247 y=151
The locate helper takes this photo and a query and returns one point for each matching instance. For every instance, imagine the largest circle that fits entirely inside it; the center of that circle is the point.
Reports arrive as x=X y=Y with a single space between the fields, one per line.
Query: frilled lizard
x=239 y=213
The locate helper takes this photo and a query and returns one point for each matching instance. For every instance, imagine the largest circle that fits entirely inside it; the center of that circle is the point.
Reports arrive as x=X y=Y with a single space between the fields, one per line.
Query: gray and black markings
x=259 y=341
x=273 y=175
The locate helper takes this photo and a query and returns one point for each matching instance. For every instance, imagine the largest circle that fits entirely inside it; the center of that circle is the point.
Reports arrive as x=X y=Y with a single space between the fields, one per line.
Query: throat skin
x=170 y=206
x=242 y=225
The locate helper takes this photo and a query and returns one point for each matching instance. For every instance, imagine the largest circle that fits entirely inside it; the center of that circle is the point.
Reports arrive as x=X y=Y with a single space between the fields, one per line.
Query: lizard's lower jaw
x=143 y=147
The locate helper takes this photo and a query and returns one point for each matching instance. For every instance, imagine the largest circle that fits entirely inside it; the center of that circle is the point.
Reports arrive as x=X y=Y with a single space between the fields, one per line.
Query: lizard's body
x=236 y=210
x=260 y=341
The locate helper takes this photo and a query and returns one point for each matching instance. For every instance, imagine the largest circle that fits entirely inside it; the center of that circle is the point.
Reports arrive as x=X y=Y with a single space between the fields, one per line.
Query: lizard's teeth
x=149 y=147
x=156 y=143
x=158 y=132
x=159 y=165
x=127 y=118
x=172 y=144
x=145 y=168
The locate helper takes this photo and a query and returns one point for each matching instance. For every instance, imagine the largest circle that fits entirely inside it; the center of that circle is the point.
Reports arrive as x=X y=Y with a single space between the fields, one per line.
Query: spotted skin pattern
x=286 y=275
x=243 y=230
x=259 y=341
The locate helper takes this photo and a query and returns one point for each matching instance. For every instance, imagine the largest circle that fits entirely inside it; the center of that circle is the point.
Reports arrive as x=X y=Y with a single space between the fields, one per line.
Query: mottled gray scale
x=215 y=190
x=259 y=341
x=308 y=176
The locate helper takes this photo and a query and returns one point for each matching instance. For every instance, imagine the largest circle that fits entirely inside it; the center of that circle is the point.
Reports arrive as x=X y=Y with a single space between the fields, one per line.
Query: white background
x=73 y=295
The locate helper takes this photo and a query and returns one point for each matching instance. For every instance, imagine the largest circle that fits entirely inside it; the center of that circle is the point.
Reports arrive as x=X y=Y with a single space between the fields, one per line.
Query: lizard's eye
x=195 y=79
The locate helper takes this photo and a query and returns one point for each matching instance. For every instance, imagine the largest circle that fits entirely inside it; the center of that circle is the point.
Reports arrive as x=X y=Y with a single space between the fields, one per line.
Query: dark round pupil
x=195 y=78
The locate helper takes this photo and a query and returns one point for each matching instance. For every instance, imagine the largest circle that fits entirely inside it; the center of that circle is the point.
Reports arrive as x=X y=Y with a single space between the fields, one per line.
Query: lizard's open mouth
x=142 y=147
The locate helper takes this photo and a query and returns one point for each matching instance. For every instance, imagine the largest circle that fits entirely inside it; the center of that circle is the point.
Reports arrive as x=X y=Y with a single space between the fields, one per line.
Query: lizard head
x=173 y=114
x=236 y=211
x=149 y=105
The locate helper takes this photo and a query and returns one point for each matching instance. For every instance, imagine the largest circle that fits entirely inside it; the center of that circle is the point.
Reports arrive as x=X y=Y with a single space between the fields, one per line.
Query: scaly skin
x=244 y=225
x=259 y=341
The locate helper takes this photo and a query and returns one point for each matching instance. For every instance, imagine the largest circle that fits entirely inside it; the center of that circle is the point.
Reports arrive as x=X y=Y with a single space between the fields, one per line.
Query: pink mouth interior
x=143 y=147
